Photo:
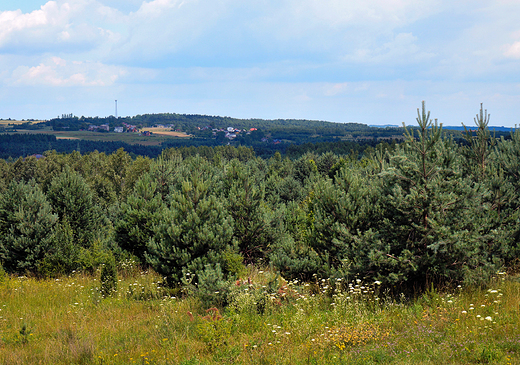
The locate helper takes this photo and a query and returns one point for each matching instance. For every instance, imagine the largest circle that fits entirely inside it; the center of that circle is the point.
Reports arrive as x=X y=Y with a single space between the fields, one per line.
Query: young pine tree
x=195 y=231
x=26 y=226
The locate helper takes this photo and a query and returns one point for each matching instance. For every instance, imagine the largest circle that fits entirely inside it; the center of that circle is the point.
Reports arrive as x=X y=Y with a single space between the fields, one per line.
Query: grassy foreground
x=66 y=321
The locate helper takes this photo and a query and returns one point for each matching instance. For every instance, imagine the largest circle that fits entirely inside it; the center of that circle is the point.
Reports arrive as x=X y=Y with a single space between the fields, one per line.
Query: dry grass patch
x=166 y=132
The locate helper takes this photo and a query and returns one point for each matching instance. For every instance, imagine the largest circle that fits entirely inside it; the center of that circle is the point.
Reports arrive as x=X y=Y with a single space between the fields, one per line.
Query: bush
x=108 y=277
x=212 y=288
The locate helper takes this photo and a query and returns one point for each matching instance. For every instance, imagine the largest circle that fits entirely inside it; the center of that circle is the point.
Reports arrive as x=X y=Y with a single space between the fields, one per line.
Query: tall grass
x=268 y=321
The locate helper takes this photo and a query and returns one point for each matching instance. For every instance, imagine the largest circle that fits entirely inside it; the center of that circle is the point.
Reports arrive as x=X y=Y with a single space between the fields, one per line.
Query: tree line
x=14 y=146
x=425 y=210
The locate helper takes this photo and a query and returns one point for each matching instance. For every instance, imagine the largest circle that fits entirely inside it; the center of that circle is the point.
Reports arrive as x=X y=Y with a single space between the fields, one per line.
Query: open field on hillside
x=5 y=123
x=166 y=132
x=67 y=321
x=130 y=138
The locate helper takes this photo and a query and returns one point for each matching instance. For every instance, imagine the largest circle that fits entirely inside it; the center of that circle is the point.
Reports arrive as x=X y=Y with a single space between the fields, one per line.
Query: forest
x=407 y=215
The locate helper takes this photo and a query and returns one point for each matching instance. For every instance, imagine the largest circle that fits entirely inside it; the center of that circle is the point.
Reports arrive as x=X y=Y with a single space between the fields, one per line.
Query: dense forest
x=406 y=214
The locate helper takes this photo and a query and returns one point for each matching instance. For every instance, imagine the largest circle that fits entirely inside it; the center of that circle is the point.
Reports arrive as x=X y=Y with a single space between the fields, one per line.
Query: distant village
x=126 y=128
x=230 y=132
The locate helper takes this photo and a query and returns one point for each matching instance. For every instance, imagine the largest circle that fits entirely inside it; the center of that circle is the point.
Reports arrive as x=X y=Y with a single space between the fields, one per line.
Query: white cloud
x=59 y=72
x=320 y=52
x=513 y=51
x=401 y=50
x=64 y=26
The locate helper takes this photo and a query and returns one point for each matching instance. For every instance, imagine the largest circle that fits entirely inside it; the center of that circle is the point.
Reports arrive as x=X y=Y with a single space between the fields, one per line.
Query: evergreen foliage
x=73 y=201
x=26 y=226
x=139 y=213
x=194 y=231
x=406 y=214
x=108 y=277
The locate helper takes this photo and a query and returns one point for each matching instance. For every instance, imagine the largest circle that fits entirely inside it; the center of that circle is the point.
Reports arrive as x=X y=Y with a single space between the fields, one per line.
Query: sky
x=370 y=61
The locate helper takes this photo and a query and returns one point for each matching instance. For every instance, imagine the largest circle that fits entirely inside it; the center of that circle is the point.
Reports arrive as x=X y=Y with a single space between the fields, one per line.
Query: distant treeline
x=202 y=125
x=13 y=146
x=289 y=137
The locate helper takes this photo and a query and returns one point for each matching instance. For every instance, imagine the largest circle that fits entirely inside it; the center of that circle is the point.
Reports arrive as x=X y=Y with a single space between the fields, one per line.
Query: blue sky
x=370 y=61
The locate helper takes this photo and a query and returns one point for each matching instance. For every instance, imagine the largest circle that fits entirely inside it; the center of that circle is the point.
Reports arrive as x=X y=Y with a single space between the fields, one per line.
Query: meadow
x=268 y=321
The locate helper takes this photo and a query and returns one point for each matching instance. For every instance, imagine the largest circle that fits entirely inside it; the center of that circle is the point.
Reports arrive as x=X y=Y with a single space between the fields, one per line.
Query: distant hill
x=491 y=128
x=385 y=126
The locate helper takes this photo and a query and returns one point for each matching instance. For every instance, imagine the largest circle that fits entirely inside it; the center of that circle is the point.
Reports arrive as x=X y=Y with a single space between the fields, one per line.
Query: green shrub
x=108 y=278
x=3 y=274
x=234 y=263
x=212 y=288
x=62 y=256
x=91 y=259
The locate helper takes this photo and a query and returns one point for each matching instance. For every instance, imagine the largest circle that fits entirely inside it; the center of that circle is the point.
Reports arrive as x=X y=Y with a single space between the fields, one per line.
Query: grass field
x=5 y=123
x=66 y=321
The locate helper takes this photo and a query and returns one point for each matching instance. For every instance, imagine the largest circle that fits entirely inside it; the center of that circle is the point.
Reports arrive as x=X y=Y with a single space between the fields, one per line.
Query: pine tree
x=193 y=232
x=431 y=228
x=26 y=225
x=73 y=201
x=245 y=201
x=142 y=210
x=479 y=145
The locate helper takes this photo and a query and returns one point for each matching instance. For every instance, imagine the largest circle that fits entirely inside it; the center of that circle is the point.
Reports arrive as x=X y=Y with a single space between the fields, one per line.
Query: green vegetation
x=70 y=133
x=268 y=321
x=387 y=229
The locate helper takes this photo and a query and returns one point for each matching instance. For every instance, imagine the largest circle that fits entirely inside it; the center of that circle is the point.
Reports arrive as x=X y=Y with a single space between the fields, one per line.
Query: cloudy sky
x=370 y=61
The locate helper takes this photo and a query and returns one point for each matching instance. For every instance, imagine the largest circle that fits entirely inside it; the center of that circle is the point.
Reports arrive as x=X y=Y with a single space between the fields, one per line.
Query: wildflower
x=464 y=312
x=488 y=318
x=377 y=282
